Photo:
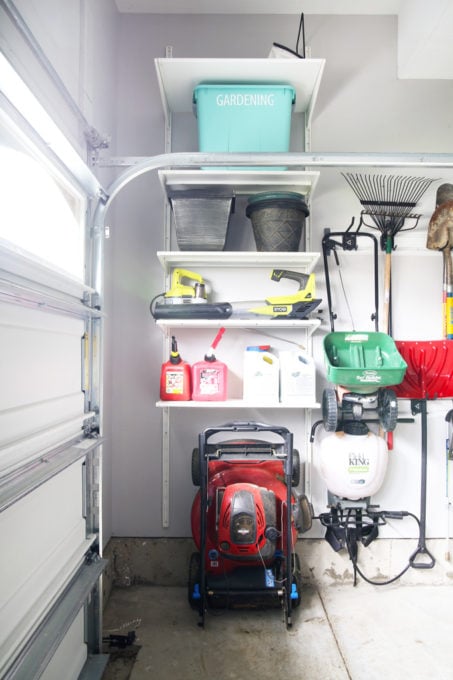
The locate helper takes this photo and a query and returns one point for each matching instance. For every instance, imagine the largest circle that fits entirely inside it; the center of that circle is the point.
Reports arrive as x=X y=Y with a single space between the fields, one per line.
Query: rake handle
x=387 y=285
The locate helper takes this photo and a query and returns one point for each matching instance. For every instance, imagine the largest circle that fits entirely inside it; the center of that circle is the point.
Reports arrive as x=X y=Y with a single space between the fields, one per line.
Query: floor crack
x=334 y=635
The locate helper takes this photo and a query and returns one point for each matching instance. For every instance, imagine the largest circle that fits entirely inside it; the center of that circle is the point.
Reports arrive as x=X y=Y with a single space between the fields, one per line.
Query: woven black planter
x=278 y=220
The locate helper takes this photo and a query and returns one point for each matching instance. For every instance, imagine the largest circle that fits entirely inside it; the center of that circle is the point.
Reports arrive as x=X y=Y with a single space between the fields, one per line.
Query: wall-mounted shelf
x=302 y=261
x=238 y=403
x=240 y=182
x=309 y=326
x=177 y=78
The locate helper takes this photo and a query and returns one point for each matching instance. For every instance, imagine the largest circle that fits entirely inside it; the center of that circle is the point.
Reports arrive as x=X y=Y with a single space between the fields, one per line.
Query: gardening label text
x=245 y=99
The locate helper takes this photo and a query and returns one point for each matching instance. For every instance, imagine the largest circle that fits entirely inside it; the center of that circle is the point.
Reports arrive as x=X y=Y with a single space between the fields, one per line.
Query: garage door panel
x=46 y=537
x=71 y=654
x=42 y=404
x=29 y=317
x=27 y=421
x=35 y=445
x=38 y=365
x=40 y=357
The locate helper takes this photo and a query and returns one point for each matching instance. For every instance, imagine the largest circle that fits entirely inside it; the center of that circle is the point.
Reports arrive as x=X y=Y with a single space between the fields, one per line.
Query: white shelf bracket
x=165 y=468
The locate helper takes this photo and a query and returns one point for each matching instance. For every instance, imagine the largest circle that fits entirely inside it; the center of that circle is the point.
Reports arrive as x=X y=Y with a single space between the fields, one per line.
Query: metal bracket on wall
x=165 y=467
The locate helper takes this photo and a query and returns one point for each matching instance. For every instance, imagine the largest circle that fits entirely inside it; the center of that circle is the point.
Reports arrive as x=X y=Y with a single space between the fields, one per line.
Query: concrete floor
x=339 y=633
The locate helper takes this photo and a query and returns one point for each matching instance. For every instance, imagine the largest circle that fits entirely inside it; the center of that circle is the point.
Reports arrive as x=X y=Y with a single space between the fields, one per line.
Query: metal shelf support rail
x=290 y=159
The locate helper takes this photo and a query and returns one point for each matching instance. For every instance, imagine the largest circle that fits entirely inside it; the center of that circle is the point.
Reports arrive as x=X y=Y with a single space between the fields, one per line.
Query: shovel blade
x=428 y=374
x=440 y=228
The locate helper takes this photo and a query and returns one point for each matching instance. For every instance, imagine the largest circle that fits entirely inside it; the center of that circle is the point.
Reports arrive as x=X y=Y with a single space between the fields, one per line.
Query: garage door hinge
x=91 y=557
x=92 y=300
x=91 y=428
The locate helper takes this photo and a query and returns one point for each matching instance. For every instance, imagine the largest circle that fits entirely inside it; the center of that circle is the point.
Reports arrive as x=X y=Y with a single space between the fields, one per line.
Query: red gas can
x=175 y=377
x=209 y=377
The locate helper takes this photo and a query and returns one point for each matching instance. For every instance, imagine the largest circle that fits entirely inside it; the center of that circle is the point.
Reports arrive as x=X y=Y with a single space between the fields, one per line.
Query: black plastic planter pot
x=278 y=220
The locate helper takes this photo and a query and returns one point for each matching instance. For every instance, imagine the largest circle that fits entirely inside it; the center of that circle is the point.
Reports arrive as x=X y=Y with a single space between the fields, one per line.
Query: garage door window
x=40 y=212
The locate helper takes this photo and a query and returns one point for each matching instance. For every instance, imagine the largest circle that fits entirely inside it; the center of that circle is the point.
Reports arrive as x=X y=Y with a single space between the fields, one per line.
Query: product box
x=244 y=118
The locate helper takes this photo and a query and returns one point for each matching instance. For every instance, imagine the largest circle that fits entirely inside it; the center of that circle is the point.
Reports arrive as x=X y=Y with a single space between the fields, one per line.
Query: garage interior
x=95 y=467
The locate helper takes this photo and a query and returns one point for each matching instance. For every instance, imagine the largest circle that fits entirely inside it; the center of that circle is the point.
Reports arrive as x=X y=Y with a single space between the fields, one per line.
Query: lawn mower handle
x=246 y=426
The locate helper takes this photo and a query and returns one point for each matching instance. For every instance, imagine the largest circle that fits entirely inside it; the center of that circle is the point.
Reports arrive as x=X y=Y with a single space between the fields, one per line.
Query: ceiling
x=259 y=6
x=425 y=47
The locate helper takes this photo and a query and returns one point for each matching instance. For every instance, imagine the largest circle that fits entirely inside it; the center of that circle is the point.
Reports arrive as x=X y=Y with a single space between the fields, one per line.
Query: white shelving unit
x=177 y=80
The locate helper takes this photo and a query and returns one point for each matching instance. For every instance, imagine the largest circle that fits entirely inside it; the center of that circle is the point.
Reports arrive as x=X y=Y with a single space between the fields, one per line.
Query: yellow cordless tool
x=183 y=293
x=182 y=300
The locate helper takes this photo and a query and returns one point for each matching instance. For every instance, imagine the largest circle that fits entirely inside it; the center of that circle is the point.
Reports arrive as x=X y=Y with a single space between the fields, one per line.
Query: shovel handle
x=426 y=562
x=447 y=294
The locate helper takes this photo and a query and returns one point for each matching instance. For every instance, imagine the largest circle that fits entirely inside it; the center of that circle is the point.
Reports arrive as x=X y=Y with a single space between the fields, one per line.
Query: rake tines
x=388 y=199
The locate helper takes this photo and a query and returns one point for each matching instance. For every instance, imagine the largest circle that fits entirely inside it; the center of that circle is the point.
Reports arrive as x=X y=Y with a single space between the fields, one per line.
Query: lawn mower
x=245 y=519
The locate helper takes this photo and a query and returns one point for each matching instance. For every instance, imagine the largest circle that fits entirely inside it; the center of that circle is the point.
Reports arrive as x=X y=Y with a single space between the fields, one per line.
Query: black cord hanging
x=301 y=30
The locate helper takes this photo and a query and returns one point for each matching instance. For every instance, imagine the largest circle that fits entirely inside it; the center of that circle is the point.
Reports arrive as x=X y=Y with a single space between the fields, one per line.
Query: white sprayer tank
x=353 y=462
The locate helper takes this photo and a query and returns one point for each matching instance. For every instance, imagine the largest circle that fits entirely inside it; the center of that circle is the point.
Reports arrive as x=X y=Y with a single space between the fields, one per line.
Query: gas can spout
x=210 y=356
x=175 y=357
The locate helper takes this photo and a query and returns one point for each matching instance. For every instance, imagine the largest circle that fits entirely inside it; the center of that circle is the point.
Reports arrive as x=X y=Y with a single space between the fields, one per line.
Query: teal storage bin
x=244 y=118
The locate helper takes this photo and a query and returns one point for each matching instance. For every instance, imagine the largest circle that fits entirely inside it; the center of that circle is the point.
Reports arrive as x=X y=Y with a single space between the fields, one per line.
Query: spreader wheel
x=196 y=481
x=330 y=409
x=387 y=409
x=194 y=585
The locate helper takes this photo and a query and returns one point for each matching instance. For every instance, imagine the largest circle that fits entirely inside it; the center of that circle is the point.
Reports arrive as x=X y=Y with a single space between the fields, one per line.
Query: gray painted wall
x=362 y=106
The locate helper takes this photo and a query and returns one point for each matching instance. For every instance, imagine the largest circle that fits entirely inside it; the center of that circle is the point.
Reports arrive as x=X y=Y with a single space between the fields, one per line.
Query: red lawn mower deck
x=245 y=520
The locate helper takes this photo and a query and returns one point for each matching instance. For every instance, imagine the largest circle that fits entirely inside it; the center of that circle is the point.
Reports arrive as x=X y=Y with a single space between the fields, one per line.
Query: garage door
x=50 y=442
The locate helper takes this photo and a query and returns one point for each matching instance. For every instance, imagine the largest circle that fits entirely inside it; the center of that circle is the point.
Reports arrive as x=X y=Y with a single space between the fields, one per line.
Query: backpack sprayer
x=189 y=300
